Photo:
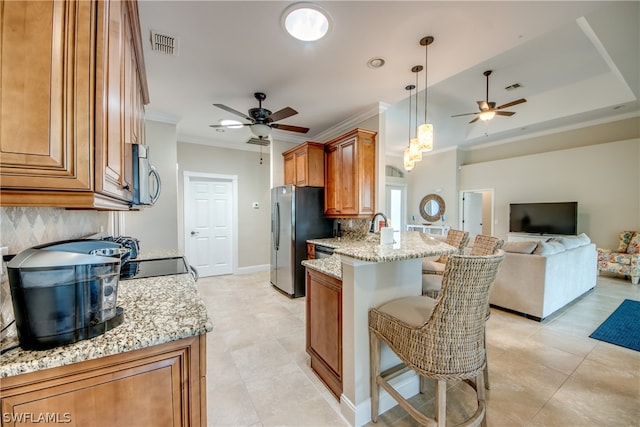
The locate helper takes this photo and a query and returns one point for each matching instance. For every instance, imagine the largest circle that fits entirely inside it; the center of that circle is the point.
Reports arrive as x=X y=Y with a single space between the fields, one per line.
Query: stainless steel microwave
x=146 y=179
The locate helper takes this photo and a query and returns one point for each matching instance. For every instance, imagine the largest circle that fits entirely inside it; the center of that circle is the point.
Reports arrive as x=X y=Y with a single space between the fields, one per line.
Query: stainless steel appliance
x=296 y=216
x=65 y=292
x=322 y=251
x=146 y=179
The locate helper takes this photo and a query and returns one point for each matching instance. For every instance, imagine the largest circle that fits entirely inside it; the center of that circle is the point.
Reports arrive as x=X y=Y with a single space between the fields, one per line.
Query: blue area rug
x=622 y=327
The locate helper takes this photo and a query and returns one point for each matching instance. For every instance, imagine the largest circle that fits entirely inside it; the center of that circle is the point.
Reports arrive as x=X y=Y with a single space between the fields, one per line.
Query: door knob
x=194 y=233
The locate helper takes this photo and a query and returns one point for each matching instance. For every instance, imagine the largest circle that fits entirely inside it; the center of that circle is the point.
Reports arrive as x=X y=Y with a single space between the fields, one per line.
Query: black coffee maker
x=65 y=292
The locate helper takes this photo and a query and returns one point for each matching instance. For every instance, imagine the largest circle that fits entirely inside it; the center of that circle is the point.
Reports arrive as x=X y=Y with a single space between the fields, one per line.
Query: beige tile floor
x=542 y=374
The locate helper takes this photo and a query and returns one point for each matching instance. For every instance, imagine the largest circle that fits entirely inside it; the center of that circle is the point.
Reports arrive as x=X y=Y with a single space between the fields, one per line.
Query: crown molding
x=351 y=122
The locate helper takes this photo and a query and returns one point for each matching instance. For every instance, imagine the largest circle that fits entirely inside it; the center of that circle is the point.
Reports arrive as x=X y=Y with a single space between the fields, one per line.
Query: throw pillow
x=548 y=248
x=625 y=238
x=634 y=244
x=520 y=247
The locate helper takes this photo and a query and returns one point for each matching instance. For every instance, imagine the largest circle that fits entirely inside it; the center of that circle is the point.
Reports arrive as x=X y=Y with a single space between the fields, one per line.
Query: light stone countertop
x=407 y=245
x=157 y=310
x=331 y=266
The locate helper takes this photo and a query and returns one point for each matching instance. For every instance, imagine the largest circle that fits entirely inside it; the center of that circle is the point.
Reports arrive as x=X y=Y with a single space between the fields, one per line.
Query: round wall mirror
x=432 y=207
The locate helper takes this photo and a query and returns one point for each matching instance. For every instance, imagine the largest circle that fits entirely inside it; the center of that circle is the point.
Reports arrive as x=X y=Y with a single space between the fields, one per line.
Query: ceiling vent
x=513 y=86
x=164 y=43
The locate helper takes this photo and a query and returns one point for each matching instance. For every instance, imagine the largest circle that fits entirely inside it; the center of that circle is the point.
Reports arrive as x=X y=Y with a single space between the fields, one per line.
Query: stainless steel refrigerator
x=297 y=215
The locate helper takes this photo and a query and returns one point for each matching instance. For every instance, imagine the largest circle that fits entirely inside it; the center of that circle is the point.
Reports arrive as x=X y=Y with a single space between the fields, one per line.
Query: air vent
x=256 y=141
x=164 y=43
x=513 y=86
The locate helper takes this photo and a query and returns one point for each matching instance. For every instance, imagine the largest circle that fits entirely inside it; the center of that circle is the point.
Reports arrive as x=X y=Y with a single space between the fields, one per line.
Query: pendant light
x=407 y=161
x=414 y=147
x=425 y=130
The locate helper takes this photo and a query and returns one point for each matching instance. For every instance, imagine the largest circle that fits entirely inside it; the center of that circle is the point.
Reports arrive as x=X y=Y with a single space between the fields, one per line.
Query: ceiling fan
x=488 y=110
x=262 y=120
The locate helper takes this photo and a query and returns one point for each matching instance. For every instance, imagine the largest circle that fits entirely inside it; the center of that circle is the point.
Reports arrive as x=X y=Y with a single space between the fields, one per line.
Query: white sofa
x=538 y=278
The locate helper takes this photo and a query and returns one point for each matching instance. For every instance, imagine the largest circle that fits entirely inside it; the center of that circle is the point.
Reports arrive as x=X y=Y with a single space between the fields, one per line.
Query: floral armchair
x=625 y=260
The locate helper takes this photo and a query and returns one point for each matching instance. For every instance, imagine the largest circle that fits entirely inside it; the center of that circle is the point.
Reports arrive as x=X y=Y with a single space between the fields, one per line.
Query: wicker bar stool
x=439 y=338
x=455 y=238
x=431 y=284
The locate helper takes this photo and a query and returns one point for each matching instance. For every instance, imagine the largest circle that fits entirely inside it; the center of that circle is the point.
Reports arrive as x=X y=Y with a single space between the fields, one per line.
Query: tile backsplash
x=24 y=227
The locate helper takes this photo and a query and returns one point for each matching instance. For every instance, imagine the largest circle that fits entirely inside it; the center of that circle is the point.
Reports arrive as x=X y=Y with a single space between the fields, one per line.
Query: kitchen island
x=150 y=370
x=371 y=274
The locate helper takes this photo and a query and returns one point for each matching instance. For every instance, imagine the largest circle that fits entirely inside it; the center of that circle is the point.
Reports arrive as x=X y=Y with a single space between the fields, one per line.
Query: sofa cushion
x=570 y=242
x=614 y=257
x=549 y=248
x=526 y=247
x=634 y=244
x=625 y=238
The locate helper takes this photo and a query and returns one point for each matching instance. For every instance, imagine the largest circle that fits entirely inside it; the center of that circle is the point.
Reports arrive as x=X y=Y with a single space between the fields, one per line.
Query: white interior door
x=472 y=214
x=209 y=219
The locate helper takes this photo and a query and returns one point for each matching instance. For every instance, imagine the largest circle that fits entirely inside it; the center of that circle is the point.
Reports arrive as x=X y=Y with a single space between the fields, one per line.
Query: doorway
x=210 y=226
x=476 y=212
x=396 y=208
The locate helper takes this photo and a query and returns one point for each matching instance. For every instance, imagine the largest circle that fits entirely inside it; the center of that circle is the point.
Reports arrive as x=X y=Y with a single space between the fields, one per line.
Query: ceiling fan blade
x=282 y=114
x=505 y=113
x=475 y=120
x=231 y=110
x=464 y=114
x=290 y=128
x=512 y=103
x=231 y=126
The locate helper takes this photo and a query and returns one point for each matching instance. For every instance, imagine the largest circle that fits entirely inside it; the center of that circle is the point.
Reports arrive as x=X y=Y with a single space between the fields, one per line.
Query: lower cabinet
x=324 y=328
x=163 y=385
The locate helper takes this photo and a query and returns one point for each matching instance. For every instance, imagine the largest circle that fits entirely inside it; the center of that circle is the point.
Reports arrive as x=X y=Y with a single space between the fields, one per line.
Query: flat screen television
x=544 y=218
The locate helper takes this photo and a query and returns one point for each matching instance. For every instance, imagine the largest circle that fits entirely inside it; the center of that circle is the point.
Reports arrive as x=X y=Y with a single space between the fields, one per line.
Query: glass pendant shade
x=408 y=163
x=425 y=137
x=414 y=150
x=487 y=115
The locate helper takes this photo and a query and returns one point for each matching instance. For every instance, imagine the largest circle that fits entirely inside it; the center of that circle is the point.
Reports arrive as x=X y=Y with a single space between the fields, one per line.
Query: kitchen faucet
x=372 y=229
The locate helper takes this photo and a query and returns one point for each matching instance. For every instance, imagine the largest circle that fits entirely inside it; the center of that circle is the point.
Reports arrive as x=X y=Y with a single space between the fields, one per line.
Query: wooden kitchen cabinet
x=350 y=180
x=163 y=385
x=324 y=328
x=73 y=95
x=304 y=165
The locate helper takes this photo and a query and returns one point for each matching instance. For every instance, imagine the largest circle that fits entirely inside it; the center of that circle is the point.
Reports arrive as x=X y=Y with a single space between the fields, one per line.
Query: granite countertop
x=157 y=310
x=331 y=266
x=407 y=245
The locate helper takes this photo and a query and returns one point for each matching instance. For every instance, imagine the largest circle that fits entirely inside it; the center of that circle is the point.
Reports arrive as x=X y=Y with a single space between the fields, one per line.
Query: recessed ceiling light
x=376 y=63
x=232 y=124
x=306 y=21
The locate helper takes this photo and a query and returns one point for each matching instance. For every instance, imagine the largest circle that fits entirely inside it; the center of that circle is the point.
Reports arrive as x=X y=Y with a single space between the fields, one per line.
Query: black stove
x=138 y=269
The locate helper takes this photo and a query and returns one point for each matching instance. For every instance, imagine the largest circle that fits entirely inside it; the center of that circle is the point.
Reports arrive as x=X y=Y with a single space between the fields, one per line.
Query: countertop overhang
x=157 y=310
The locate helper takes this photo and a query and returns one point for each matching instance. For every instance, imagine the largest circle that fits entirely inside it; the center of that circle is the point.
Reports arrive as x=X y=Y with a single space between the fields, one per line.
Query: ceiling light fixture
x=376 y=63
x=260 y=130
x=425 y=130
x=307 y=22
x=408 y=163
x=414 y=146
x=487 y=115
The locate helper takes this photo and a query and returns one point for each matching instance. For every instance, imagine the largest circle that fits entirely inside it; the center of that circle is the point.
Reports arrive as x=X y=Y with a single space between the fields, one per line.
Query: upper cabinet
x=73 y=92
x=304 y=165
x=350 y=179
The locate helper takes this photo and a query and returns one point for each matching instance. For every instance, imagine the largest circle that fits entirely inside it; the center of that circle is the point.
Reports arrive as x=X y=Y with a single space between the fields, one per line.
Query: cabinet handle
x=126 y=187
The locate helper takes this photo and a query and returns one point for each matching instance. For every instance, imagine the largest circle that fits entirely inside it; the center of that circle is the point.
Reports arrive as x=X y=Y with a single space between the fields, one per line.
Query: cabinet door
x=324 y=328
x=301 y=168
x=366 y=174
x=113 y=58
x=349 y=177
x=332 y=181
x=46 y=139
x=289 y=169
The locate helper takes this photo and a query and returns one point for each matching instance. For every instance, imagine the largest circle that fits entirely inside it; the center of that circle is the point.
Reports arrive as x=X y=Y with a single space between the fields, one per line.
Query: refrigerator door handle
x=277 y=226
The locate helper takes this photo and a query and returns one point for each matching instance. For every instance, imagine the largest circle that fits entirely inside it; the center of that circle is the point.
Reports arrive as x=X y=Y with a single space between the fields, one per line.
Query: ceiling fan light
x=487 y=115
x=261 y=131
x=306 y=22
x=425 y=137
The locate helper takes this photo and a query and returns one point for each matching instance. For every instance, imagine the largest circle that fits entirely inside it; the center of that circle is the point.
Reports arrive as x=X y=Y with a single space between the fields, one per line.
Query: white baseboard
x=253 y=269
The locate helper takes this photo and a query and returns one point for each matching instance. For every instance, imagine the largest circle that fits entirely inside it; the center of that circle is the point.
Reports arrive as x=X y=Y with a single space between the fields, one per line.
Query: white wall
x=604 y=179
x=254 y=225
x=157 y=226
